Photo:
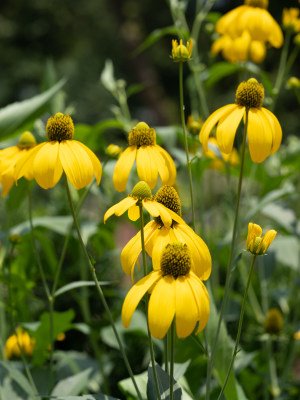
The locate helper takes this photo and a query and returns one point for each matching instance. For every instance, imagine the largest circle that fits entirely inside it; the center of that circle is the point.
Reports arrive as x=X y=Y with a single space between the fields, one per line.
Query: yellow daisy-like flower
x=15 y=342
x=9 y=158
x=181 y=53
x=151 y=160
x=253 y=17
x=220 y=159
x=256 y=244
x=263 y=131
x=290 y=19
x=141 y=193
x=240 y=48
x=176 y=292
x=48 y=160
x=157 y=235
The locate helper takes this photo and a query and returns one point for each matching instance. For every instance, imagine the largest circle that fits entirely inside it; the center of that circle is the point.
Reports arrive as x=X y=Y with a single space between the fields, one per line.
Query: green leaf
x=58 y=224
x=78 y=284
x=84 y=397
x=73 y=385
x=14 y=116
x=19 y=378
x=163 y=383
x=219 y=71
x=128 y=388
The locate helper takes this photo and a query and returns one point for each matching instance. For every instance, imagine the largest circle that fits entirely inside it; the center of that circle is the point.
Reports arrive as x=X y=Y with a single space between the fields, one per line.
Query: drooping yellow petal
x=268 y=238
x=156 y=209
x=227 y=127
x=24 y=165
x=259 y=136
x=200 y=255
x=146 y=165
x=202 y=299
x=254 y=231
x=163 y=237
x=161 y=163
x=95 y=161
x=76 y=163
x=226 y=20
x=47 y=168
x=276 y=129
x=211 y=122
x=161 y=308
x=135 y=294
x=186 y=308
x=7 y=181
x=170 y=166
x=134 y=213
x=123 y=168
x=119 y=208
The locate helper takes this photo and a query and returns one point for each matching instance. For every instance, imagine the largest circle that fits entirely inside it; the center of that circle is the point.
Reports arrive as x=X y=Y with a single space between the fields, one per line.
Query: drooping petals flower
x=61 y=153
x=19 y=340
x=157 y=235
x=10 y=156
x=151 y=160
x=176 y=293
x=263 y=131
x=291 y=19
x=256 y=244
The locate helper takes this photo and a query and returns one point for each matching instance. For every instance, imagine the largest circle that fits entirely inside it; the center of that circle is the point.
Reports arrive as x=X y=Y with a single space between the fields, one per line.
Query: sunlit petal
x=146 y=165
x=259 y=136
x=95 y=161
x=119 y=208
x=227 y=127
x=276 y=129
x=47 y=168
x=123 y=168
x=186 y=308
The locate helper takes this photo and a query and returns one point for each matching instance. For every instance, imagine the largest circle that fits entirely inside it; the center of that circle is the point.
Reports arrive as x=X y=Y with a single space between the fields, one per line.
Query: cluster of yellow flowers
x=246 y=31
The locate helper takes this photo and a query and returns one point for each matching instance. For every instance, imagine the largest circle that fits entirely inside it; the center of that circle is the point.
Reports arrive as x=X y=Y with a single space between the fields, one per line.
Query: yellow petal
x=202 y=299
x=156 y=209
x=227 y=127
x=211 y=122
x=24 y=165
x=276 y=129
x=146 y=165
x=135 y=294
x=76 y=163
x=170 y=167
x=254 y=231
x=119 y=208
x=134 y=213
x=163 y=237
x=268 y=238
x=95 y=161
x=123 y=168
x=201 y=258
x=7 y=180
x=47 y=167
x=259 y=136
x=186 y=308
x=162 y=306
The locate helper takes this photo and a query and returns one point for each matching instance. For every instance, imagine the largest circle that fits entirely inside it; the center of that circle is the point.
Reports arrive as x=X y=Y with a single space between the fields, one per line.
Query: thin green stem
x=229 y=272
x=147 y=302
x=186 y=141
x=237 y=341
x=99 y=288
x=166 y=354
x=172 y=360
x=275 y=389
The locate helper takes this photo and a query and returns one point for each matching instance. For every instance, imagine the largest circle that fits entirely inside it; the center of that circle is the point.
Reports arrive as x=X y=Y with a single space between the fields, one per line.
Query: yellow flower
x=113 y=150
x=151 y=160
x=221 y=158
x=176 y=292
x=157 y=235
x=240 y=48
x=255 y=243
x=293 y=83
x=273 y=321
x=290 y=19
x=264 y=131
x=48 y=160
x=141 y=193
x=194 y=125
x=15 y=342
x=253 y=17
x=181 y=53
x=9 y=158
x=297 y=335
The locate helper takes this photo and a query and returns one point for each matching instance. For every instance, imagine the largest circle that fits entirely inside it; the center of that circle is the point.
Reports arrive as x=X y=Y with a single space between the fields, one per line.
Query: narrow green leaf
x=19 y=378
x=15 y=115
x=84 y=397
x=73 y=385
x=163 y=383
x=78 y=284
x=58 y=224
x=219 y=71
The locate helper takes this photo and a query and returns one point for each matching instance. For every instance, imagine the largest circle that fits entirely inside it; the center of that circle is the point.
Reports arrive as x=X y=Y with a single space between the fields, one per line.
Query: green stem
x=99 y=289
x=186 y=141
x=166 y=354
x=147 y=301
x=235 y=351
x=229 y=272
x=275 y=389
x=172 y=360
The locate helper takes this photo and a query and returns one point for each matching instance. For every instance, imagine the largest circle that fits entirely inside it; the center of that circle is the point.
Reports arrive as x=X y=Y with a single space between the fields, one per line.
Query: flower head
x=291 y=20
x=176 y=292
x=254 y=18
x=141 y=194
x=16 y=341
x=113 y=150
x=256 y=244
x=194 y=125
x=273 y=321
x=10 y=156
x=151 y=159
x=158 y=234
x=263 y=131
x=48 y=160
x=181 y=53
